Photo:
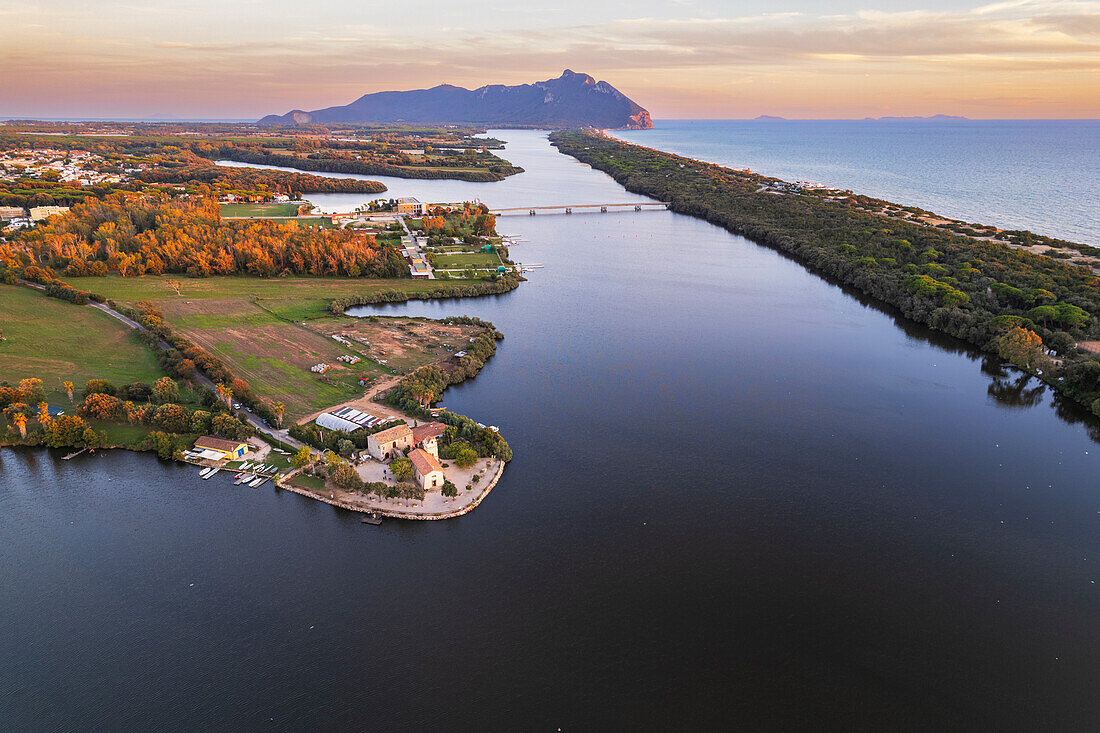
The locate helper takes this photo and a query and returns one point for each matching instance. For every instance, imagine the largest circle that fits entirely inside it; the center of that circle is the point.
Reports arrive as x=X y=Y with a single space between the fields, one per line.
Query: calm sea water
x=742 y=497
x=1040 y=175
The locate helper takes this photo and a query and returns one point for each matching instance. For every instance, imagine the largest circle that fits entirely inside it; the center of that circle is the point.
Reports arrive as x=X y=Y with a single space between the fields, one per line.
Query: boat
x=205 y=472
x=373 y=518
x=257 y=482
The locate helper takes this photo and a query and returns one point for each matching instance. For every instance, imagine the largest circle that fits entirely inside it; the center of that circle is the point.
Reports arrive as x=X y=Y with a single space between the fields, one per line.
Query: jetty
x=73 y=455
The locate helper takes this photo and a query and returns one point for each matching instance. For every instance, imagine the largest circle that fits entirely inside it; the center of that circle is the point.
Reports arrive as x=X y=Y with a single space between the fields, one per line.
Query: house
x=390 y=442
x=419 y=270
x=40 y=213
x=410 y=206
x=11 y=212
x=428 y=471
x=219 y=448
x=425 y=436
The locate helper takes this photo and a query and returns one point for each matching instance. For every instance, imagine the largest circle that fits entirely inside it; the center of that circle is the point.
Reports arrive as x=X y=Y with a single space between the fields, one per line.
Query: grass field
x=261 y=209
x=54 y=340
x=270 y=332
x=297 y=298
x=480 y=260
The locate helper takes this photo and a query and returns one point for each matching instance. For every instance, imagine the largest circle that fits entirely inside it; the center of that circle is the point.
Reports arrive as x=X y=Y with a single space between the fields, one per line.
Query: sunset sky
x=678 y=58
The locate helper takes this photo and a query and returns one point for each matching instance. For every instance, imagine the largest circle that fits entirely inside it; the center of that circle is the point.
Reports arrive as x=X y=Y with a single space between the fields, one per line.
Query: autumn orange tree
x=101 y=406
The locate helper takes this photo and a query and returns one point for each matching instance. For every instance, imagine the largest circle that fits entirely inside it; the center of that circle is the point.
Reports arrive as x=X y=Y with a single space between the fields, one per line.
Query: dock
x=374 y=518
x=73 y=455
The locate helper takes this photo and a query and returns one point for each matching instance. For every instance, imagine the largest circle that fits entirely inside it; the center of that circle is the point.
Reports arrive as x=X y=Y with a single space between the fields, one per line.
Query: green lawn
x=481 y=260
x=297 y=298
x=56 y=341
x=261 y=210
x=311 y=483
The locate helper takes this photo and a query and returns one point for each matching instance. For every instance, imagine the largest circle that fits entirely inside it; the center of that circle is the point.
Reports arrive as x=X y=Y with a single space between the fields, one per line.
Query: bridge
x=583 y=208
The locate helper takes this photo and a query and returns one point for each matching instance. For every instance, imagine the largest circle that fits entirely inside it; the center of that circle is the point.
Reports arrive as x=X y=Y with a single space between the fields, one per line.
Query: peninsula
x=248 y=362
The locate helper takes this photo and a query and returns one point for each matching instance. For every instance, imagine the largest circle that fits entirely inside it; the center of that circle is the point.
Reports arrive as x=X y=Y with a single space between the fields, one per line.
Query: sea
x=743 y=497
x=1038 y=175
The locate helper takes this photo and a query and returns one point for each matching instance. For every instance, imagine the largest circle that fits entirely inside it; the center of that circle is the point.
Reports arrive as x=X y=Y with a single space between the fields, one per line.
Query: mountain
x=571 y=100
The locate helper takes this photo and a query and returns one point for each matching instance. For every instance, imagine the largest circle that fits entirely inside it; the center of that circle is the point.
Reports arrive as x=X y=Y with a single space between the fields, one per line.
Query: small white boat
x=205 y=472
x=257 y=482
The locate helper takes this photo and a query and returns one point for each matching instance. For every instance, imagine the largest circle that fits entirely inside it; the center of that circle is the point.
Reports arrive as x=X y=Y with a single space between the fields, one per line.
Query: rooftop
x=397 y=432
x=220 y=444
x=428 y=430
x=424 y=462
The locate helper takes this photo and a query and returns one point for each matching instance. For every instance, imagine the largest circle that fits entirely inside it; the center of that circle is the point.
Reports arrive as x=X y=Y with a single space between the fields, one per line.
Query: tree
x=44 y=415
x=185 y=369
x=277 y=410
x=91 y=438
x=1043 y=313
x=68 y=387
x=344 y=476
x=65 y=430
x=32 y=391
x=225 y=394
x=173 y=418
x=345 y=448
x=449 y=489
x=19 y=420
x=301 y=457
x=200 y=421
x=1021 y=347
x=402 y=469
x=101 y=406
x=166 y=390
x=465 y=458
x=98 y=386
x=174 y=285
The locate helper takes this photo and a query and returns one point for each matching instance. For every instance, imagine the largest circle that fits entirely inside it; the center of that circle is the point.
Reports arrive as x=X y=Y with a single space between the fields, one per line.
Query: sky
x=678 y=58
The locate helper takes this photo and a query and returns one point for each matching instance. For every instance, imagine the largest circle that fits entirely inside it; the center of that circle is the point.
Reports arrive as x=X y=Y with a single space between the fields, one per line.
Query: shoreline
x=819 y=231
x=284 y=483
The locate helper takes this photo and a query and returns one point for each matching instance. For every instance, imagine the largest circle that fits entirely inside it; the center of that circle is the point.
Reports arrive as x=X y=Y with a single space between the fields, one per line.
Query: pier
x=584 y=208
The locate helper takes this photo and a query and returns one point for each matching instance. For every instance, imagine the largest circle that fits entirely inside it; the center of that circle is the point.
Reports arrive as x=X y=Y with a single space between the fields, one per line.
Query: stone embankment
x=284 y=483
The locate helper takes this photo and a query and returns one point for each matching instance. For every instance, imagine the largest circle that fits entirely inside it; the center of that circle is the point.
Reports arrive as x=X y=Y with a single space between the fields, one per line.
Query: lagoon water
x=742 y=497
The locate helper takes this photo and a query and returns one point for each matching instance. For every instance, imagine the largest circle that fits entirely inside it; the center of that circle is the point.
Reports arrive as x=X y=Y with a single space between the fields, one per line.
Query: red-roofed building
x=428 y=471
x=425 y=436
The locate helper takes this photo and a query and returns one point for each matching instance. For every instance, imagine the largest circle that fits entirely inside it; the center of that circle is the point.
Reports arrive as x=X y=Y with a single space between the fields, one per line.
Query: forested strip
x=1029 y=308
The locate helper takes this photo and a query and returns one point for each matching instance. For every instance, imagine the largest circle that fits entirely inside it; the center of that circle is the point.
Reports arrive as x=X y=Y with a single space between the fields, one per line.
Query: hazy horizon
x=689 y=59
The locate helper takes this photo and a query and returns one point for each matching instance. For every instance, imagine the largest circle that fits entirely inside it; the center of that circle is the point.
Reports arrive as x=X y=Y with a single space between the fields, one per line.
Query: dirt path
x=365 y=402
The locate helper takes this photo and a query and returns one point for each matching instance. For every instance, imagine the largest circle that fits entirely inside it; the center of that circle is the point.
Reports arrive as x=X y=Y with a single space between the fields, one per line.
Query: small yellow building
x=227 y=448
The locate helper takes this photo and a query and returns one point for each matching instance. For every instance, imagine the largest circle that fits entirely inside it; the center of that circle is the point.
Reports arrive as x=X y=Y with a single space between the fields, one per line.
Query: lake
x=741 y=497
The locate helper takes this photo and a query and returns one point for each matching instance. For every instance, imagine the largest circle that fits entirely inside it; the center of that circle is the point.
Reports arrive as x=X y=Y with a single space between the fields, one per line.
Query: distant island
x=571 y=100
x=769 y=118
